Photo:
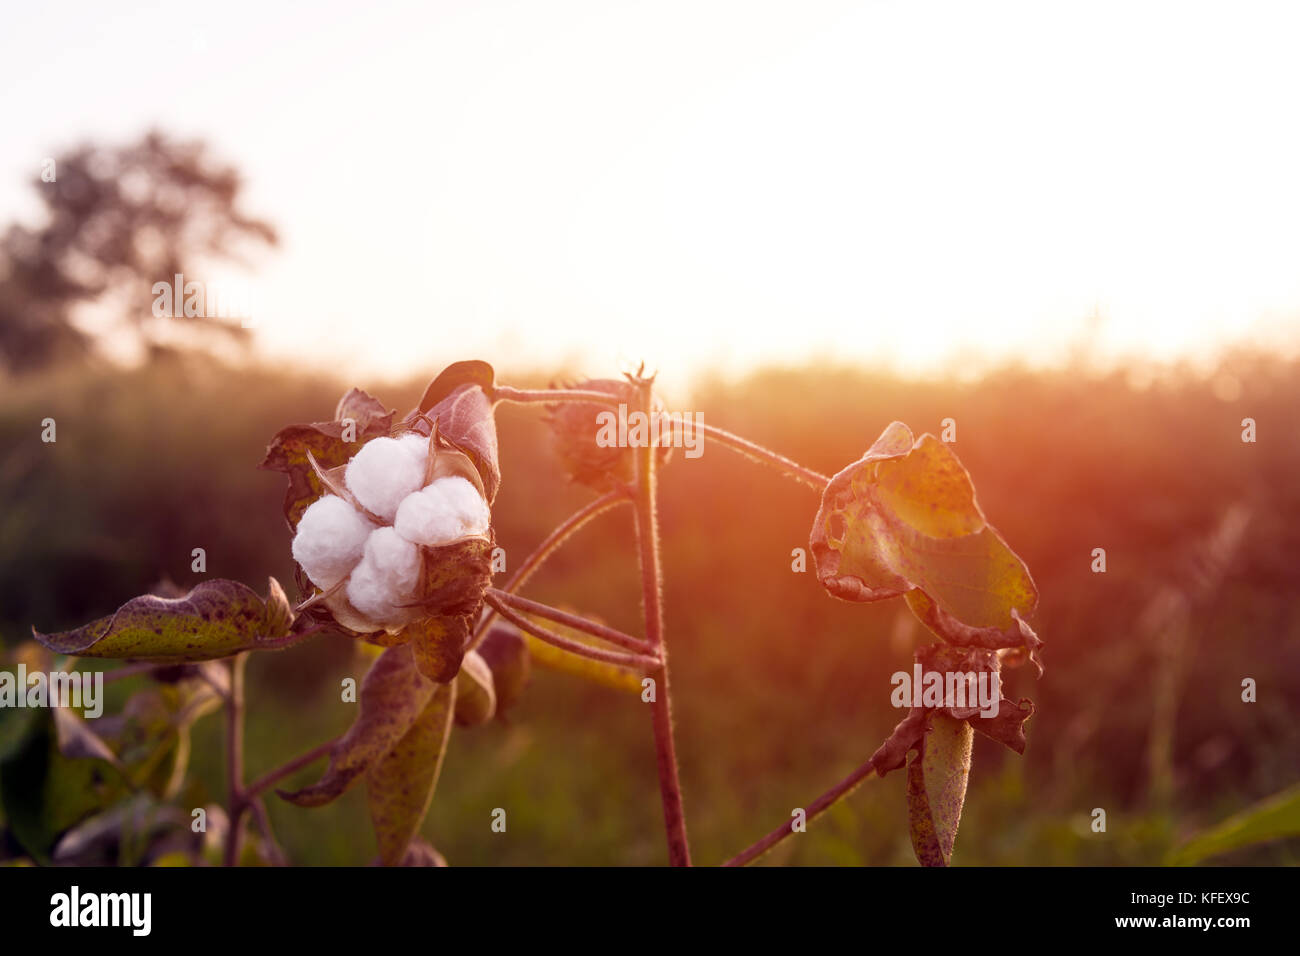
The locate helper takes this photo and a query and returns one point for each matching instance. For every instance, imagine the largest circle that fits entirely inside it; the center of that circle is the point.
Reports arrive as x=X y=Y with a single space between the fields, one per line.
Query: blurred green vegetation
x=778 y=689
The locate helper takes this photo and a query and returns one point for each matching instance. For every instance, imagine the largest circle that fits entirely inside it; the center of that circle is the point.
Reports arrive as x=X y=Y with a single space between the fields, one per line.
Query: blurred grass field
x=778 y=689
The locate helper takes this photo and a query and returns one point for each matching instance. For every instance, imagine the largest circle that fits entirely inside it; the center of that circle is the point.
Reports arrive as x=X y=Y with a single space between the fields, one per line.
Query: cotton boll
x=417 y=446
x=331 y=538
x=426 y=518
x=466 y=503
x=385 y=578
x=384 y=472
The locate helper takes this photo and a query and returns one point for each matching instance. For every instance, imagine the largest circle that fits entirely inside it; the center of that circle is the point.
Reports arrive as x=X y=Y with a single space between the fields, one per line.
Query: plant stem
x=574 y=621
x=640 y=662
x=765 y=456
x=647 y=536
x=525 y=396
x=235 y=756
x=815 y=809
x=297 y=763
x=549 y=546
x=289 y=640
x=273 y=847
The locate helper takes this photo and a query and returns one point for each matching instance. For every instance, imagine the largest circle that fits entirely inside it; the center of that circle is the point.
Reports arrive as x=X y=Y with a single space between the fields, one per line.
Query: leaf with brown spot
x=288 y=450
x=400 y=787
x=936 y=788
x=393 y=695
x=904 y=517
x=454 y=577
x=438 y=645
x=217 y=618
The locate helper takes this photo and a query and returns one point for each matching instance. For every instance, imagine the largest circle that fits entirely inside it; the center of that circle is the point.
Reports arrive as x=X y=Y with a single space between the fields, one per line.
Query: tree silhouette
x=117 y=221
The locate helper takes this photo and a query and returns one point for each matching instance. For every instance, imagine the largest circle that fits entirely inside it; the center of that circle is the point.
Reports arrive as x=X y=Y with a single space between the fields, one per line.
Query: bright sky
x=711 y=183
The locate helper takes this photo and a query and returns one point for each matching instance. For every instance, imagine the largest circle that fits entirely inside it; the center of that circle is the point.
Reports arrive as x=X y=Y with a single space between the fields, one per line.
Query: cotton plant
x=392 y=535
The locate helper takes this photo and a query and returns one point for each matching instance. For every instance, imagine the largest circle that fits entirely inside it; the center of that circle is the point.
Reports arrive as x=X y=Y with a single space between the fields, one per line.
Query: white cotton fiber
x=331 y=538
x=385 y=471
x=425 y=518
x=448 y=509
x=463 y=498
x=385 y=578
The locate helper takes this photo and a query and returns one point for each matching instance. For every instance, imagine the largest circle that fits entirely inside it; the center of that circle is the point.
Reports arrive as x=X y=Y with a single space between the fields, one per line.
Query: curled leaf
x=905 y=736
x=217 y=618
x=400 y=786
x=1008 y=726
x=459 y=402
x=904 y=517
x=1019 y=638
x=366 y=411
x=393 y=695
x=936 y=788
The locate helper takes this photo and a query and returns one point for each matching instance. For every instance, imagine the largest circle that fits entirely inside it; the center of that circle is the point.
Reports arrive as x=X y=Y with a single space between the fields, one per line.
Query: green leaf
x=904 y=517
x=476 y=697
x=153 y=739
x=936 y=788
x=217 y=618
x=400 y=787
x=1274 y=818
x=44 y=793
x=393 y=695
x=460 y=401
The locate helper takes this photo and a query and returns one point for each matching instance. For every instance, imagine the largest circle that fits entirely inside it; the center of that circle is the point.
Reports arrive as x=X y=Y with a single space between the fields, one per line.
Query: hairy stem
x=575 y=621
x=765 y=456
x=525 y=396
x=814 y=809
x=549 y=546
x=289 y=640
x=647 y=536
x=640 y=662
x=235 y=757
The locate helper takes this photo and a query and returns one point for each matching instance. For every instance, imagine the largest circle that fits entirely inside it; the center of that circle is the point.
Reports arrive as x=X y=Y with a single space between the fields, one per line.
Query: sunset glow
x=720 y=184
